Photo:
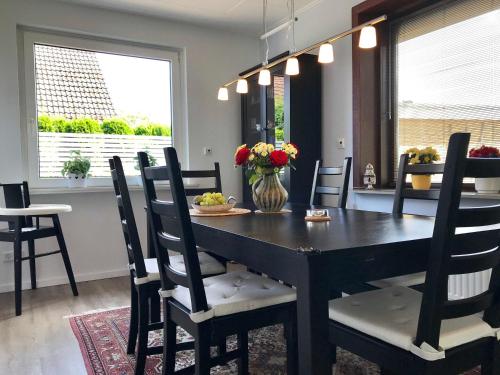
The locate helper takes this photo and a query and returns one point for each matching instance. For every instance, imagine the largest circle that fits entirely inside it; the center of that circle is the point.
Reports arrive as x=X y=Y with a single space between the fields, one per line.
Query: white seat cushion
x=405 y=280
x=236 y=292
x=36 y=209
x=391 y=315
x=208 y=265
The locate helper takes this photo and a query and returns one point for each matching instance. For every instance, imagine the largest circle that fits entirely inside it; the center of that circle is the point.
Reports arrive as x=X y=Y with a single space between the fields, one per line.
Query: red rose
x=278 y=158
x=242 y=155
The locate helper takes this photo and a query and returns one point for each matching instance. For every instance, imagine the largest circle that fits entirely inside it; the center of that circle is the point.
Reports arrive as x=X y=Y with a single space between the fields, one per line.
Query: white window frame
x=29 y=128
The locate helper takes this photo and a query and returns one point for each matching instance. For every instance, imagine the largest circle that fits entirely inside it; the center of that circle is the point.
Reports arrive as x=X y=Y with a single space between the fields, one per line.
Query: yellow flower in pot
x=427 y=155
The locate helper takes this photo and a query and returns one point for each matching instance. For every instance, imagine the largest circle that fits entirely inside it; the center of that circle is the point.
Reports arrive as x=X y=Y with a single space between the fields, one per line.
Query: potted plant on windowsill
x=427 y=155
x=76 y=169
x=486 y=185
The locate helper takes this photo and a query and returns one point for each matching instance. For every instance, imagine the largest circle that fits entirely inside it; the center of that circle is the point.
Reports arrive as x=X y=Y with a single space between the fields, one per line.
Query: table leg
x=312 y=318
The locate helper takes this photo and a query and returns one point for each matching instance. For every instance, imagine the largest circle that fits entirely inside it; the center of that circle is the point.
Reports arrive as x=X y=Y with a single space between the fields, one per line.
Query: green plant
x=45 y=124
x=78 y=164
x=160 y=130
x=116 y=126
x=142 y=130
x=279 y=134
x=151 y=158
x=59 y=124
x=82 y=125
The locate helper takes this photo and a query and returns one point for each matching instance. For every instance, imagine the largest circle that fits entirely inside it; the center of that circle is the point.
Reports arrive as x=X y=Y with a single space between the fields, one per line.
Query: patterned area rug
x=103 y=341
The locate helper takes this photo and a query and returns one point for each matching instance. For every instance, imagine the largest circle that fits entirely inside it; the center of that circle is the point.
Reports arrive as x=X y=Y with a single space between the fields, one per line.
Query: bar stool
x=19 y=214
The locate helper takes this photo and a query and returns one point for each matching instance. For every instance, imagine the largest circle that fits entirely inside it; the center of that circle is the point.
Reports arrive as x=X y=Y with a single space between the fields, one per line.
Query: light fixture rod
x=276 y=29
x=310 y=48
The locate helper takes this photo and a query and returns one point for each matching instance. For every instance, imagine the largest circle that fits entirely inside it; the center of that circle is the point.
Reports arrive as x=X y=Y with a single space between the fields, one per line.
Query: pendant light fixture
x=292 y=64
x=326 y=55
x=265 y=74
x=368 y=37
x=242 y=86
x=223 y=94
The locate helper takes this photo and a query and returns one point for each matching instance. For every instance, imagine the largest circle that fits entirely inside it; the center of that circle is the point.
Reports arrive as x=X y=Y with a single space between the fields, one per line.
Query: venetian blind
x=447 y=76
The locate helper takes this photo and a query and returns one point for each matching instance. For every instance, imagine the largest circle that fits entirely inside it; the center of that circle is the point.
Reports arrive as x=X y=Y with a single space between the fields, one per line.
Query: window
x=98 y=99
x=446 y=76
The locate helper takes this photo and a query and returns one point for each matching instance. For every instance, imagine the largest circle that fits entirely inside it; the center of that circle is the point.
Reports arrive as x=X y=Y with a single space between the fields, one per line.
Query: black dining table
x=318 y=257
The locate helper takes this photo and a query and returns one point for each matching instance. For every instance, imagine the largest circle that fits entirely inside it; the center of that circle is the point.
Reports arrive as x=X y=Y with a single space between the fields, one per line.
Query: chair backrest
x=403 y=192
x=127 y=218
x=462 y=253
x=180 y=239
x=342 y=191
x=17 y=195
x=211 y=173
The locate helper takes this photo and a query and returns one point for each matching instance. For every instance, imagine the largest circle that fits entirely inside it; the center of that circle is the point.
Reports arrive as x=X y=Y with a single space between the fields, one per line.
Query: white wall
x=212 y=57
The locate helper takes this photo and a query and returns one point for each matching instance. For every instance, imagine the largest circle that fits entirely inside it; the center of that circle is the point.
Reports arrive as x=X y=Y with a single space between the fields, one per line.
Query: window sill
x=465 y=194
x=86 y=190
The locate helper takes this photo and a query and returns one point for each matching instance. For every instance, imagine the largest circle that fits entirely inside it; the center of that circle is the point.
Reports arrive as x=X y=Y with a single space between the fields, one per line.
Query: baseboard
x=63 y=279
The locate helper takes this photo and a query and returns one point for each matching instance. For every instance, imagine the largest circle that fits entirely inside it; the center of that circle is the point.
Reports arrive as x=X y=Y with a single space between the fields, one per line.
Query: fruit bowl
x=213 y=207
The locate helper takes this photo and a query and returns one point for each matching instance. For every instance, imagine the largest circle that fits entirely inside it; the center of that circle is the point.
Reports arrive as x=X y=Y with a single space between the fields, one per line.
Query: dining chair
x=405 y=331
x=19 y=214
x=341 y=191
x=402 y=193
x=145 y=303
x=216 y=307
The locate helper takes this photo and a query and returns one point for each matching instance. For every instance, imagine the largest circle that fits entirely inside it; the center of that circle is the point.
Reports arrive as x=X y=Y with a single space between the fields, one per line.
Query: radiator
x=468 y=285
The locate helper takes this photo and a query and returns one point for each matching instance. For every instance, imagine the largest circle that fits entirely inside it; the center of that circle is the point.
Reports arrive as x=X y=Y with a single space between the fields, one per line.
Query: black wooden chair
x=216 y=307
x=402 y=193
x=19 y=214
x=408 y=332
x=145 y=303
x=341 y=191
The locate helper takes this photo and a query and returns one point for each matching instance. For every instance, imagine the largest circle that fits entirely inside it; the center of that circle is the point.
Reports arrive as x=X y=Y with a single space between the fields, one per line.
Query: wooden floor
x=40 y=341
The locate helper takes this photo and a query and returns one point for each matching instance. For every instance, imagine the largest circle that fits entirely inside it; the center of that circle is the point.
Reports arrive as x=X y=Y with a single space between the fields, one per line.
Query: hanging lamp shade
x=265 y=77
x=242 y=86
x=368 y=37
x=292 y=66
x=223 y=94
x=326 y=55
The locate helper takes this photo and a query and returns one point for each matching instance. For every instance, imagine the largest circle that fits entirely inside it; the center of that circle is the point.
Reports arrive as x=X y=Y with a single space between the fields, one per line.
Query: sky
x=458 y=64
x=138 y=86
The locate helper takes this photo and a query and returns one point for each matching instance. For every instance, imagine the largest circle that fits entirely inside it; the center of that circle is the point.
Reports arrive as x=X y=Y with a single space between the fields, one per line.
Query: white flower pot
x=76 y=180
x=488 y=185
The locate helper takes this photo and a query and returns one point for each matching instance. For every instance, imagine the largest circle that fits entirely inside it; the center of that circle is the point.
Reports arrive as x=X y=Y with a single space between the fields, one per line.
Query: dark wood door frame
x=372 y=126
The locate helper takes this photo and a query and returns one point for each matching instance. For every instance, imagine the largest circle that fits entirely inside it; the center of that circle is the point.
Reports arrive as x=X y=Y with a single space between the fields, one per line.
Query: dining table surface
x=318 y=257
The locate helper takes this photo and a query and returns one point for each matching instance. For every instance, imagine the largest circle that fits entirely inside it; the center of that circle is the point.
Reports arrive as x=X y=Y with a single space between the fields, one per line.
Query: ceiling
x=243 y=16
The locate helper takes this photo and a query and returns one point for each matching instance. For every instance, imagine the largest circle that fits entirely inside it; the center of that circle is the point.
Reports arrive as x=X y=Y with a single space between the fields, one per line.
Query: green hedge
x=116 y=126
x=90 y=126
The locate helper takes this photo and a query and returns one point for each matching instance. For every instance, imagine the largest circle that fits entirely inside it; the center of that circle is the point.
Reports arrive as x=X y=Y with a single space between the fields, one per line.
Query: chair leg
x=142 y=342
x=170 y=341
x=64 y=253
x=134 y=318
x=222 y=347
x=18 y=273
x=243 y=347
x=202 y=350
x=291 y=346
x=31 y=253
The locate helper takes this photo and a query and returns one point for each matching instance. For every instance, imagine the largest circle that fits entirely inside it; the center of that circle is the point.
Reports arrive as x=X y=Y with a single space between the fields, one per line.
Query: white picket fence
x=55 y=149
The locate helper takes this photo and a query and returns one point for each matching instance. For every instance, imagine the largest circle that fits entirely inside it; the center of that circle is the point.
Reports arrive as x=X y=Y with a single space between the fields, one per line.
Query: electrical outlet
x=207 y=151
x=340 y=143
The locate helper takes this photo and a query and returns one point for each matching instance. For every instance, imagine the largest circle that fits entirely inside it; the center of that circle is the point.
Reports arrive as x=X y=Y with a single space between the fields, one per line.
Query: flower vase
x=268 y=194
